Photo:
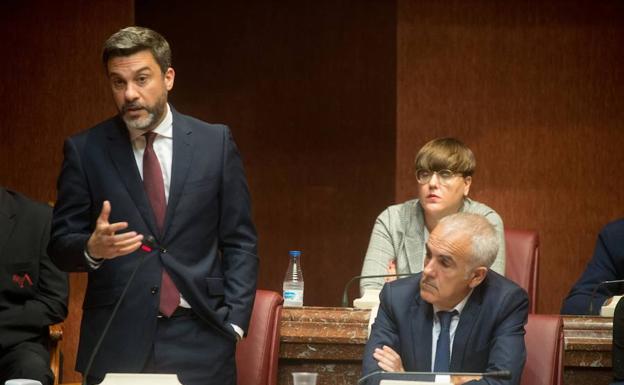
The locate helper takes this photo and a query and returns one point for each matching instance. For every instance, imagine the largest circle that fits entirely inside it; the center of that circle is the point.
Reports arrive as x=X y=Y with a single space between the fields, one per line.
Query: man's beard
x=154 y=114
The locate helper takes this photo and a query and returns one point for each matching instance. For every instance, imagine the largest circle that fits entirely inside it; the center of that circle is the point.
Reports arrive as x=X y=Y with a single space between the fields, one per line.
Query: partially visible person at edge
x=33 y=291
x=607 y=264
x=617 y=353
x=153 y=172
x=444 y=169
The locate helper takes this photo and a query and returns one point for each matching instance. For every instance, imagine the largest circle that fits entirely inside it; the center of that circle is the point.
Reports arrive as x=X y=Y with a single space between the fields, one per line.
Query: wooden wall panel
x=536 y=89
x=308 y=89
x=52 y=85
x=330 y=100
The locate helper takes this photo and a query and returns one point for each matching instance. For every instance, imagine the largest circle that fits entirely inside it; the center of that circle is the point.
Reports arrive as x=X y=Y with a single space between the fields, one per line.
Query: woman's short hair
x=446 y=154
x=131 y=40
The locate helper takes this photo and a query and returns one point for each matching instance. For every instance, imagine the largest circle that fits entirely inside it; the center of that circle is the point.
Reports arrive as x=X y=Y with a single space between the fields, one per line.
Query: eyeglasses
x=444 y=176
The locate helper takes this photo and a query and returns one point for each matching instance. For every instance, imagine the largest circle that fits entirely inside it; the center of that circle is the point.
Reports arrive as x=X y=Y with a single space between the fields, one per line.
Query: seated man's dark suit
x=489 y=336
x=33 y=292
x=607 y=264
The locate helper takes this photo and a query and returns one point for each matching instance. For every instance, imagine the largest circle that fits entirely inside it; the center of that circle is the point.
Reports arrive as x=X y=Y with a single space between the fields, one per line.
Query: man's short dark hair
x=131 y=40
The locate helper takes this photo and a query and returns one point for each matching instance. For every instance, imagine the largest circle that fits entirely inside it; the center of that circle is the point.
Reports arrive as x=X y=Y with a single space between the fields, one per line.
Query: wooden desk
x=326 y=340
x=587 y=350
x=330 y=341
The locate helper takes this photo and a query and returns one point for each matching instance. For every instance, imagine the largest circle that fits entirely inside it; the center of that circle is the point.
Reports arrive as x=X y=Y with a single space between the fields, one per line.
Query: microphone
x=345 y=293
x=423 y=376
x=601 y=284
x=149 y=243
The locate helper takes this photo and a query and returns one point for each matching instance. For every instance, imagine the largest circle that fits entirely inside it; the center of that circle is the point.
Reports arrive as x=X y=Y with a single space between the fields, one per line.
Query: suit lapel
x=122 y=155
x=7 y=217
x=467 y=321
x=180 y=164
x=421 y=323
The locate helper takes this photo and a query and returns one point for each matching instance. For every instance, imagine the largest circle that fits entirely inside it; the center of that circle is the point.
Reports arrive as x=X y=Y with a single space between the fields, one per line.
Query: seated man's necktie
x=443 y=347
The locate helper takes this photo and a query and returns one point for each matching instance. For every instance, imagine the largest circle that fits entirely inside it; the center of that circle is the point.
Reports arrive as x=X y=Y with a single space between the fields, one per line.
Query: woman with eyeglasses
x=444 y=169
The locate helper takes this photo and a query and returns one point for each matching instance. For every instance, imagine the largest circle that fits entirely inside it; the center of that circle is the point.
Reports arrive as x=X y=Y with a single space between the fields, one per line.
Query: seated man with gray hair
x=457 y=315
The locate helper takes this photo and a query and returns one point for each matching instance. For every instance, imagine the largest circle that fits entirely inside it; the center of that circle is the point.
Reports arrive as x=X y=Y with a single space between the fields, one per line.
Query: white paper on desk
x=443 y=379
x=609 y=310
x=403 y=382
x=440 y=379
x=140 y=379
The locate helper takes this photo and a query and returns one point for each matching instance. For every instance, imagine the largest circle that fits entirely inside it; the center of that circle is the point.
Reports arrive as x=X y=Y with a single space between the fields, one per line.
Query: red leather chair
x=544 y=344
x=257 y=354
x=522 y=261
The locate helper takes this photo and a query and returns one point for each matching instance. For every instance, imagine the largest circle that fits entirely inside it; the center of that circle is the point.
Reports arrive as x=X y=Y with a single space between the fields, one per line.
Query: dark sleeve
x=602 y=267
x=383 y=332
x=47 y=306
x=507 y=349
x=237 y=237
x=72 y=222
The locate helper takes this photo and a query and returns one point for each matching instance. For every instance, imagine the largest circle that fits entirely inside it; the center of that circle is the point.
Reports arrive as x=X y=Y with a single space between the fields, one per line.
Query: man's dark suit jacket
x=489 y=336
x=208 y=244
x=607 y=264
x=33 y=292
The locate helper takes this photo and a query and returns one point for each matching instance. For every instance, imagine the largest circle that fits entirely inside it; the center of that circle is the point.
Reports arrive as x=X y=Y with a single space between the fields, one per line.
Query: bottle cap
x=294 y=253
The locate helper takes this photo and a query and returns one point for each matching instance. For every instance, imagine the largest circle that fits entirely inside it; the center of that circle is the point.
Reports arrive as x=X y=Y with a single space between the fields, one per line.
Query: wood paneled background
x=309 y=92
x=536 y=89
x=52 y=85
x=329 y=102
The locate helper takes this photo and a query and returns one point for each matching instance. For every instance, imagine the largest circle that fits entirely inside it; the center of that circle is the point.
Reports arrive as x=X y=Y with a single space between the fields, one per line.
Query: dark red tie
x=155 y=189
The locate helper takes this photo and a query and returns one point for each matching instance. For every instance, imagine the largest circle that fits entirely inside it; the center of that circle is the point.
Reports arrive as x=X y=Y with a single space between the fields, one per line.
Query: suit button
x=154 y=290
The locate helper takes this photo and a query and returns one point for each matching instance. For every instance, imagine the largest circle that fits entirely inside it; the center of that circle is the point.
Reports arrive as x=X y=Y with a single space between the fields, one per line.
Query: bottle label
x=293 y=297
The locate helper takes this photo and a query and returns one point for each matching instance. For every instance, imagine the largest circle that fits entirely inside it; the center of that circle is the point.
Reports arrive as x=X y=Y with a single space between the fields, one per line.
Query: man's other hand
x=388 y=359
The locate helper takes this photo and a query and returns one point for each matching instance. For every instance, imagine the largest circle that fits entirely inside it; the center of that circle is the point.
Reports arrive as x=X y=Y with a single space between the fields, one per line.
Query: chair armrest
x=56 y=335
x=56 y=332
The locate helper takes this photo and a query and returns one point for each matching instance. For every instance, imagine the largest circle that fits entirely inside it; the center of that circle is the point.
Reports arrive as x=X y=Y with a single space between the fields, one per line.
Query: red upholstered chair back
x=257 y=354
x=522 y=261
x=544 y=343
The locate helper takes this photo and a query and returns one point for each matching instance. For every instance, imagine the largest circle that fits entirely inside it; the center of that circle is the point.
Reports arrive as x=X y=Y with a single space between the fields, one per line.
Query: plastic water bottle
x=293 y=281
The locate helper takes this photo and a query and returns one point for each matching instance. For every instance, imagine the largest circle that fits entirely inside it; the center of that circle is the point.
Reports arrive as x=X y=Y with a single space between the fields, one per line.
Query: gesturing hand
x=388 y=359
x=105 y=243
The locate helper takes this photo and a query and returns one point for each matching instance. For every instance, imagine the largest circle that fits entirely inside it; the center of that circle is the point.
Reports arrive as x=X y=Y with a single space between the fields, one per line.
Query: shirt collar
x=165 y=128
x=459 y=307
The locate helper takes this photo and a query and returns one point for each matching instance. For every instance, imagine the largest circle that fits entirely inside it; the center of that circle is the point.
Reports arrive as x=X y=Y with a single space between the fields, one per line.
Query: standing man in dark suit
x=153 y=172
x=33 y=292
x=457 y=315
